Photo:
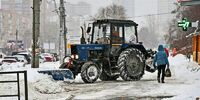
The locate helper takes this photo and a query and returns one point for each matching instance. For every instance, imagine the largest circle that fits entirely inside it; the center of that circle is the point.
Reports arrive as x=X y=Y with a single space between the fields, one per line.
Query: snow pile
x=12 y=66
x=49 y=65
x=42 y=82
x=34 y=76
x=48 y=86
x=189 y=73
x=184 y=70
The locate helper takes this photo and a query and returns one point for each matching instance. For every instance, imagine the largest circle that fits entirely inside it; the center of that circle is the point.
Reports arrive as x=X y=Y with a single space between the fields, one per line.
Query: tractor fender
x=137 y=46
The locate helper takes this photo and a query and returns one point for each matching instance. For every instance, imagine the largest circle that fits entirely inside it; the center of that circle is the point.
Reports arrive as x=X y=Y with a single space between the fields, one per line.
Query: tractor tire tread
x=84 y=72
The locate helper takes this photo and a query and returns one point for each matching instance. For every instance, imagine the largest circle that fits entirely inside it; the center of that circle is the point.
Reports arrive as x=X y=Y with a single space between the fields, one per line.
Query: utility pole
x=63 y=28
x=49 y=46
x=16 y=43
x=36 y=32
x=65 y=36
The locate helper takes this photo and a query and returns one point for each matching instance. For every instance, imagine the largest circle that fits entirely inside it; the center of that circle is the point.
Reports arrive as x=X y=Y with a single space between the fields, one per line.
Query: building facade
x=15 y=20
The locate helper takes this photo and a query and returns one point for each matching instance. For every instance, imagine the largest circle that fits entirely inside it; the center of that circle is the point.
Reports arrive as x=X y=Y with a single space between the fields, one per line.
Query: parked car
x=26 y=55
x=11 y=61
x=18 y=58
x=47 y=57
x=2 y=55
x=11 y=57
x=21 y=58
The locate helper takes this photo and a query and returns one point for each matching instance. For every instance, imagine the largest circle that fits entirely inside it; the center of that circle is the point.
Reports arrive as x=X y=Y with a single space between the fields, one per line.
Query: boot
x=163 y=78
x=158 y=80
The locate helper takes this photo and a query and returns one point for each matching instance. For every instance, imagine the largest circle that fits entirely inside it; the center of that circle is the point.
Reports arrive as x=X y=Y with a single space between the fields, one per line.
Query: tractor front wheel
x=90 y=72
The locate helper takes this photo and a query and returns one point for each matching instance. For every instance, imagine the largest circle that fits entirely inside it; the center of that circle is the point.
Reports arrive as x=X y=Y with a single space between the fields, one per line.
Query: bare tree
x=111 y=12
x=149 y=34
x=149 y=39
x=152 y=24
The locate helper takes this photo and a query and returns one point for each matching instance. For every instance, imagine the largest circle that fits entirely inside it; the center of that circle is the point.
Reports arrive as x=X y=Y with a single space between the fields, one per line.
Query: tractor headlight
x=74 y=56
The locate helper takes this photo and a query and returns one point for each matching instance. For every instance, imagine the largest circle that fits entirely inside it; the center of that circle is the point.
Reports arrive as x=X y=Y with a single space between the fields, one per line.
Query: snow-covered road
x=183 y=85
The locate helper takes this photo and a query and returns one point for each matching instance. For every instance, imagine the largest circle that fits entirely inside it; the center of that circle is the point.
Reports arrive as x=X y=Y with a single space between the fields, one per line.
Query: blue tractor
x=112 y=51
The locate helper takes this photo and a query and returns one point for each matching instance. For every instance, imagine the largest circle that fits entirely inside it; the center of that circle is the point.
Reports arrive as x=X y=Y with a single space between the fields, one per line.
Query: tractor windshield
x=101 y=34
x=130 y=34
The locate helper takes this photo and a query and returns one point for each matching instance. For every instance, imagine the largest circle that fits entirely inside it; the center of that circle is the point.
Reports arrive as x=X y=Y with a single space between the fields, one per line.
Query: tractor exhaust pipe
x=82 y=37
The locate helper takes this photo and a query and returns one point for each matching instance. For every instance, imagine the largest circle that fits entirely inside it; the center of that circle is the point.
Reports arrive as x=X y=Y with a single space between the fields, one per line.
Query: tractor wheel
x=131 y=64
x=90 y=72
x=105 y=77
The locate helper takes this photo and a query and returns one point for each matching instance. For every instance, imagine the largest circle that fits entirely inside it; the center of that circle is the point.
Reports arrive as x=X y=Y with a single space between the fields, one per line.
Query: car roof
x=27 y=53
x=9 y=57
x=19 y=56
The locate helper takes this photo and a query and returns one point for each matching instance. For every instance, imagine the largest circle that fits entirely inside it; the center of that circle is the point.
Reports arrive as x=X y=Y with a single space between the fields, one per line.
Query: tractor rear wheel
x=131 y=64
x=90 y=72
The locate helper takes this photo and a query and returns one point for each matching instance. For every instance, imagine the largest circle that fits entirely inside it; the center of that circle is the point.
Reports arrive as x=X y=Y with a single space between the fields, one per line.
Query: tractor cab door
x=101 y=34
x=116 y=39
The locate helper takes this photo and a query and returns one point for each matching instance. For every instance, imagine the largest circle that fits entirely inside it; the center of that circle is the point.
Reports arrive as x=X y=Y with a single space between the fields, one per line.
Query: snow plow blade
x=59 y=74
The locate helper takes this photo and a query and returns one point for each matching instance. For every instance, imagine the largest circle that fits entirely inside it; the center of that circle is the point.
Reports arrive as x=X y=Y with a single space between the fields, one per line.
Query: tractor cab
x=114 y=32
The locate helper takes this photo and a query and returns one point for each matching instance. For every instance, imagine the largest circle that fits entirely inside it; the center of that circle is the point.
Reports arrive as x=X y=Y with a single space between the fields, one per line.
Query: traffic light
x=185 y=24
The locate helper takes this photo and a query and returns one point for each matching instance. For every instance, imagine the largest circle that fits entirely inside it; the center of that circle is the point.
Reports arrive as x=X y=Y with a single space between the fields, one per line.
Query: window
x=130 y=34
x=101 y=34
x=117 y=35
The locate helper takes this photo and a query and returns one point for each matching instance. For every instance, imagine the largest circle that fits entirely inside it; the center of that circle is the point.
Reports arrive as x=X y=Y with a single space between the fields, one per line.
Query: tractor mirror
x=88 y=29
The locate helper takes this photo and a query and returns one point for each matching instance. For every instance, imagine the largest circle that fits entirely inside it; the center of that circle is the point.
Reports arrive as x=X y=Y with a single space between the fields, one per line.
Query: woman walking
x=160 y=61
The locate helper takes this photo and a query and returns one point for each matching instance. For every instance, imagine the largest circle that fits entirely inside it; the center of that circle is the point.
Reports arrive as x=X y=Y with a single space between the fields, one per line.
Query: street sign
x=185 y=24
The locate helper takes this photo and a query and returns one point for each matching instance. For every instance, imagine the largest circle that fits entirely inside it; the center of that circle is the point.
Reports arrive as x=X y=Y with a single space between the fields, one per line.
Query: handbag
x=168 y=73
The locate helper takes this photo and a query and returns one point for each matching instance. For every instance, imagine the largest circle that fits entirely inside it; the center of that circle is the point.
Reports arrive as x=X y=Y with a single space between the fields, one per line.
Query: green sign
x=184 y=24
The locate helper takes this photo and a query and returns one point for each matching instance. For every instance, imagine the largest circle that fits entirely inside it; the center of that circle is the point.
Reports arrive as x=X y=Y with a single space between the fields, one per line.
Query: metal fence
x=18 y=84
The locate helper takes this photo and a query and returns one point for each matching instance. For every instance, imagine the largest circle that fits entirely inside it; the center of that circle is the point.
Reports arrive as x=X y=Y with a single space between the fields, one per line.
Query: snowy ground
x=183 y=85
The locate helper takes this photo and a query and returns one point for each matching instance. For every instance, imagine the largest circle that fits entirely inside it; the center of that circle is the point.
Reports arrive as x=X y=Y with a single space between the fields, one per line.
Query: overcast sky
x=142 y=7
x=96 y=4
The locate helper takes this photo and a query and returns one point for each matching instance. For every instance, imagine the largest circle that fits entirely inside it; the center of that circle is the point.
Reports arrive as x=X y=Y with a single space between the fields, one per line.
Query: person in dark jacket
x=160 y=61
